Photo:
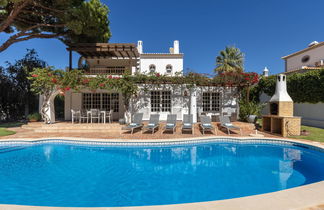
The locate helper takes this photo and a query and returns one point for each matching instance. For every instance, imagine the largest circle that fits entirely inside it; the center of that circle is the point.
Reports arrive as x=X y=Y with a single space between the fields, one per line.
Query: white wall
x=228 y=99
x=315 y=54
x=179 y=102
x=312 y=114
x=160 y=62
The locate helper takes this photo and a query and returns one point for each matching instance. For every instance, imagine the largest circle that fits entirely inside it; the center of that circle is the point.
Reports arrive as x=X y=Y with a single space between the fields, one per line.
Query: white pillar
x=40 y=102
x=193 y=103
x=67 y=105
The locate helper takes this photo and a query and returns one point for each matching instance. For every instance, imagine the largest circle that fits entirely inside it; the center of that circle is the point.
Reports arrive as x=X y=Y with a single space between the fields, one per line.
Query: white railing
x=113 y=70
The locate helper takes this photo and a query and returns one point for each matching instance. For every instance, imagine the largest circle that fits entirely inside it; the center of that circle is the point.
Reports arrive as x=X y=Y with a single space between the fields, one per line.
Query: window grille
x=168 y=69
x=113 y=70
x=160 y=101
x=166 y=101
x=211 y=101
x=96 y=100
x=152 y=68
x=103 y=101
x=86 y=101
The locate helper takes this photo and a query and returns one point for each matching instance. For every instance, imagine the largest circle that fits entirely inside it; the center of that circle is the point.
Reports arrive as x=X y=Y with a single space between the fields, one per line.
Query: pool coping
x=302 y=197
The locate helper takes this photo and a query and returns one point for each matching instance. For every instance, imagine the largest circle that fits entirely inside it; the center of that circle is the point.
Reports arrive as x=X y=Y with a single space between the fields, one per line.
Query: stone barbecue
x=281 y=119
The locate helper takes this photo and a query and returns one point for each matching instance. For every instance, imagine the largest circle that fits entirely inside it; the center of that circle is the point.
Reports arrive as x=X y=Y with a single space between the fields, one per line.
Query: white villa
x=116 y=59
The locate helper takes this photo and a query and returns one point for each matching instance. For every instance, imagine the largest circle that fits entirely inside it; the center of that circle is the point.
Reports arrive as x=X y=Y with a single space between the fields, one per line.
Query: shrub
x=249 y=108
x=34 y=117
x=302 y=87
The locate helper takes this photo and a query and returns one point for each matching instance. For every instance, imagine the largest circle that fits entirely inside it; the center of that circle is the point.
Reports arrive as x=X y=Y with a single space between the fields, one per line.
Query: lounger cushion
x=133 y=124
x=187 y=124
x=170 y=124
x=151 y=124
x=207 y=125
x=228 y=124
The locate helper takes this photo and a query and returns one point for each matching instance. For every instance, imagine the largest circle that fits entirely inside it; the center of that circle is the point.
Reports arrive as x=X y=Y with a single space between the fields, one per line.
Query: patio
x=113 y=131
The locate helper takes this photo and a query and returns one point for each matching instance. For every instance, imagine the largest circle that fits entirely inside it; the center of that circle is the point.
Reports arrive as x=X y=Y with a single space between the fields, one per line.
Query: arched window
x=152 y=68
x=168 y=69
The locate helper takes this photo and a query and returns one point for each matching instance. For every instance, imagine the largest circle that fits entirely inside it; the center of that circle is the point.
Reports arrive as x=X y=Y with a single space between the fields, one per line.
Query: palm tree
x=230 y=60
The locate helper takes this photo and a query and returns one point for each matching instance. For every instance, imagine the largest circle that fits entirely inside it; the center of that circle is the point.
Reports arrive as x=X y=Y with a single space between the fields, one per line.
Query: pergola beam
x=105 y=49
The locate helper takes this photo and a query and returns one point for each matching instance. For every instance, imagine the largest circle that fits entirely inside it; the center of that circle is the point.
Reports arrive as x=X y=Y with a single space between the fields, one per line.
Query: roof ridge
x=303 y=50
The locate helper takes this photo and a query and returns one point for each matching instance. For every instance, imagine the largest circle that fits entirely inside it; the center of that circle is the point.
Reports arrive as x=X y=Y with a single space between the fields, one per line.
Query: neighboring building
x=117 y=59
x=310 y=58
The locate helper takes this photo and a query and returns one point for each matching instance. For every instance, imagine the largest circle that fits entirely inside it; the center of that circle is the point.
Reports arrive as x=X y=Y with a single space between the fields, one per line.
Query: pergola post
x=70 y=60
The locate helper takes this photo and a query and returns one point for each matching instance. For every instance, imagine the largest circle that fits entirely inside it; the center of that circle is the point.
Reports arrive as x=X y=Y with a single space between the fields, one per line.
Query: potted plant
x=249 y=111
x=34 y=117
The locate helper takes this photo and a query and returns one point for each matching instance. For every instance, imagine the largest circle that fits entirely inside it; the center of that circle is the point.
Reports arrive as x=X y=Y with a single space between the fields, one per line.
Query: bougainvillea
x=48 y=81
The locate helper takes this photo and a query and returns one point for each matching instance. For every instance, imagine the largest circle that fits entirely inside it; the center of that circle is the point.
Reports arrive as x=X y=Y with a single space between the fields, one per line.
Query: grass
x=4 y=126
x=316 y=134
x=5 y=132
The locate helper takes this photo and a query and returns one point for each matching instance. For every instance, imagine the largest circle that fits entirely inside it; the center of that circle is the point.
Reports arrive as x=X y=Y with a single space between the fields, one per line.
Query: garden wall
x=312 y=114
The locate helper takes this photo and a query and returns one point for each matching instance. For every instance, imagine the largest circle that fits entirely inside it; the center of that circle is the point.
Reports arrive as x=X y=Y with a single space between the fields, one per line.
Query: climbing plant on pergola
x=49 y=82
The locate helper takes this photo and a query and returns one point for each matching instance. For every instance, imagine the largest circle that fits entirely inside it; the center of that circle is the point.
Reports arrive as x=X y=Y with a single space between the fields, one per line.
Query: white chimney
x=281 y=93
x=140 y=47
x=176 y=49
x=265 y=72
x=313 y=43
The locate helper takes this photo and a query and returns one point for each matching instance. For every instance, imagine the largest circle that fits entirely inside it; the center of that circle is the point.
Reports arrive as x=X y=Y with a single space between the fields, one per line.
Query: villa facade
x=117 y=59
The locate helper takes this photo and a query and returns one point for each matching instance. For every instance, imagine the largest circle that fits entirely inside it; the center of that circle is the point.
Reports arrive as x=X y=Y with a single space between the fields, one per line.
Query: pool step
x=76 y=131
x=11 y=148
x=74 y=128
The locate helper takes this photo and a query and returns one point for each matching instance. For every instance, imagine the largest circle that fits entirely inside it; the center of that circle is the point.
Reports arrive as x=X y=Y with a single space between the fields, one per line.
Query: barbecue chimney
x=281 y=103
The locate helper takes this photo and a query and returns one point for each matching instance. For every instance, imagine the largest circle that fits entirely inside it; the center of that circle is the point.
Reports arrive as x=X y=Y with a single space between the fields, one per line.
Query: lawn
x=316 y=134
x=4 y=126
x=5 y=132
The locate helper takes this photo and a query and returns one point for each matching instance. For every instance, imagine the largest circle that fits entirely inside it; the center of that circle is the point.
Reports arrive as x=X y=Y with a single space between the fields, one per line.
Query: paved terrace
x=113 y=131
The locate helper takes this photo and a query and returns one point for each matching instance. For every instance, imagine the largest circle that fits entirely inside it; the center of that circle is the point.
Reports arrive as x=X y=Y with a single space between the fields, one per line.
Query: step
x=77 y=131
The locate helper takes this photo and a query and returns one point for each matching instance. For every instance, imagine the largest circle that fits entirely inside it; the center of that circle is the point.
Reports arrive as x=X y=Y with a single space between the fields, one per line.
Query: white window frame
x=168 y=69
x=102 y=101
x=211 y=101
x=161 y=101
x=152 y=68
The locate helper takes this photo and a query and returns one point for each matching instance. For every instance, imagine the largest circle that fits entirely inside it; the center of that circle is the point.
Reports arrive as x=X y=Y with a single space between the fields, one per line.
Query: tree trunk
x=248 y=94
x=46 y=107
x=127 y=114
x=26 y=107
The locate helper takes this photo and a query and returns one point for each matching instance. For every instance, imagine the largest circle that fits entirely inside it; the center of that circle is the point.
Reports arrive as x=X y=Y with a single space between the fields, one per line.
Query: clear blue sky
x=265 y=30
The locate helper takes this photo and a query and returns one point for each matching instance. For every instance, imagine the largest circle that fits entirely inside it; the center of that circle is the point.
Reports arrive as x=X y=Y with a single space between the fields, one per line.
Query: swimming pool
x=107 y=175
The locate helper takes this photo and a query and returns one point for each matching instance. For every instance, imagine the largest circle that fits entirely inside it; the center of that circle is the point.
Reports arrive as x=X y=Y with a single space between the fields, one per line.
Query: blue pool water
x=71 y=175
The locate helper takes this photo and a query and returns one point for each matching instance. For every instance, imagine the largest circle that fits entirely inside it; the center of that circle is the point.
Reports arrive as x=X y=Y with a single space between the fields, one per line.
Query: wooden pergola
x=106 y=50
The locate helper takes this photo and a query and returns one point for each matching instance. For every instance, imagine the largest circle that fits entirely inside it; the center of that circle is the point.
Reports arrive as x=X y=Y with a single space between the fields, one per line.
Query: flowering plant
x=49 y=82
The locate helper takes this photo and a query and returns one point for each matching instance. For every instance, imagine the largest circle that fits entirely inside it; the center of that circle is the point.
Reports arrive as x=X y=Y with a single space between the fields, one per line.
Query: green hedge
x=305 y=87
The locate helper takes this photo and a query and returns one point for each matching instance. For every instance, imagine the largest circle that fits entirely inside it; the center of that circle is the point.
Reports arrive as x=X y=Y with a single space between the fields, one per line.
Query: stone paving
x=113 y=131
